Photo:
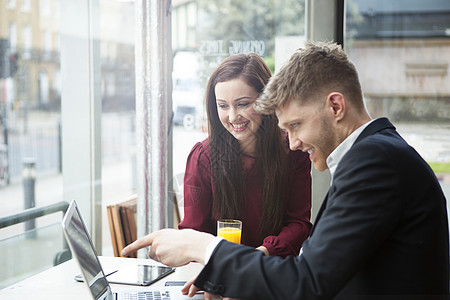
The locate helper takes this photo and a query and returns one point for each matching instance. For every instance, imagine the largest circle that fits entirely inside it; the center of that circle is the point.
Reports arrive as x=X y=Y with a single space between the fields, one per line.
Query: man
x=382 y=230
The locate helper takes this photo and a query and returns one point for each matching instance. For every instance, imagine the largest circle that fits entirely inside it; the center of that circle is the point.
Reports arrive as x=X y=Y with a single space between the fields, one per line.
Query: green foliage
x=440 y=167
x=270 y=62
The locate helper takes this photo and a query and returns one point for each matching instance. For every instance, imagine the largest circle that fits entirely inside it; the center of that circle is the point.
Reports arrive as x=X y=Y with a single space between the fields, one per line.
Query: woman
x=244 y=170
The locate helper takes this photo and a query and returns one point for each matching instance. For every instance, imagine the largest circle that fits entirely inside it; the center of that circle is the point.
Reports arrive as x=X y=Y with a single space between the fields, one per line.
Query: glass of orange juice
x=230 y=230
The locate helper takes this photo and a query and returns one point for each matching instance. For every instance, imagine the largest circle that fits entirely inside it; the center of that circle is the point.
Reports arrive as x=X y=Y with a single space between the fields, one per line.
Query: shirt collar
x=335 y=157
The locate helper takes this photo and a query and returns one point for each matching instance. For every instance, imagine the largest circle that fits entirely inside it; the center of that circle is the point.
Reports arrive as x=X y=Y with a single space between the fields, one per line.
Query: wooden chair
x=122 y=222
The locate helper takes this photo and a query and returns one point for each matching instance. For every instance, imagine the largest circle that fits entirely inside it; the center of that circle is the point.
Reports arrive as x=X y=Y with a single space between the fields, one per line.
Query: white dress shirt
x=335 y=157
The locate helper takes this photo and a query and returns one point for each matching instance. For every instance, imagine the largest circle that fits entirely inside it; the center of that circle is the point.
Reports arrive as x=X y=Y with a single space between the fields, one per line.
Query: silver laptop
x=84 y=252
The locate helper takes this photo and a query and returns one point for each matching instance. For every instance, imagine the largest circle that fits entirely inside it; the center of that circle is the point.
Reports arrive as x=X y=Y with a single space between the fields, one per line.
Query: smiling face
x=310 y=129
x=235 y=101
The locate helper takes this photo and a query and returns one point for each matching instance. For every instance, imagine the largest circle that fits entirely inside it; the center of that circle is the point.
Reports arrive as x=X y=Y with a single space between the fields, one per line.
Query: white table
x=58 y=282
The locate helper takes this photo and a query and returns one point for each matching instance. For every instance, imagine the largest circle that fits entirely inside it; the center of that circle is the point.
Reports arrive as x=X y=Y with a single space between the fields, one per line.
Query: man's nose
x=295 y=143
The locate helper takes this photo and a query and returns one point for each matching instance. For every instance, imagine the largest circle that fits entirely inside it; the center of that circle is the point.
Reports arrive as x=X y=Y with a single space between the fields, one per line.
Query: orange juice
x=230 y=234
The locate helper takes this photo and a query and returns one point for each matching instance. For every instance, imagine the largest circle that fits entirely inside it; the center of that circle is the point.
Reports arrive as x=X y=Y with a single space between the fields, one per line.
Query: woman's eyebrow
x=244 y=98
x=238 y=99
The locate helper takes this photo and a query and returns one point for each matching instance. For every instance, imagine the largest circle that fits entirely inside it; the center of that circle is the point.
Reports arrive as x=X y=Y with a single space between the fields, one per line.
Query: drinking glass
x=230 y=230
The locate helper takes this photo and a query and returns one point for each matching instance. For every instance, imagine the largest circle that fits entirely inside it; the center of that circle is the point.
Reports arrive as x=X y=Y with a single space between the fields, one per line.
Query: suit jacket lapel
x=375 y=126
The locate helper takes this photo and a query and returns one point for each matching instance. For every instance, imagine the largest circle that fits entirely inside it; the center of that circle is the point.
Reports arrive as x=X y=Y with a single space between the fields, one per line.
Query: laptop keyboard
x=151 y=295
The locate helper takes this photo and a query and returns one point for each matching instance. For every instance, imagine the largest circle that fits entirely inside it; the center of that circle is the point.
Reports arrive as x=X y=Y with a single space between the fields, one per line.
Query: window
x=12 y=33
x=45 y=7
x=40 y=92
x=26 y=5
x=117 y=34
x=47 y=42
x=402 y=51
x=204 y=33
x=27 y=41
x=30 y=169
x=11 y=4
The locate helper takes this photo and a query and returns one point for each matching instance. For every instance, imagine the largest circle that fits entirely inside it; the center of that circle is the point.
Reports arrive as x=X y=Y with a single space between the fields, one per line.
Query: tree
x=234 y=21
x=251 y=20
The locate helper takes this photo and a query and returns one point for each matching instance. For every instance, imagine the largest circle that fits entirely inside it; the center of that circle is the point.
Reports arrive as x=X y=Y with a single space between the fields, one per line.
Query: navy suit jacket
x=381 y=232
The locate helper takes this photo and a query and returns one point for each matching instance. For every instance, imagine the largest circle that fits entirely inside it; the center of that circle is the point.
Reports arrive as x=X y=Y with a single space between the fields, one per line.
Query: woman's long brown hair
x=228 y=174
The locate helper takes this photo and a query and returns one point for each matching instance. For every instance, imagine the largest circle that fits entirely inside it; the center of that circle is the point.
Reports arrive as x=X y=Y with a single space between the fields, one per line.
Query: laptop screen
x=82 y=247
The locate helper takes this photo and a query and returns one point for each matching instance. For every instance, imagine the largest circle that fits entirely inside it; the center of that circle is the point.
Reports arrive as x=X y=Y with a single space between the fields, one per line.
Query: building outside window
x=402 y=52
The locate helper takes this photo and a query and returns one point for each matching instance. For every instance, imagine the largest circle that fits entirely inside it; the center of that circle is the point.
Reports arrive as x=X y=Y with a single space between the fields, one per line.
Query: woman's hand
x=264 y=250
x=190 y=289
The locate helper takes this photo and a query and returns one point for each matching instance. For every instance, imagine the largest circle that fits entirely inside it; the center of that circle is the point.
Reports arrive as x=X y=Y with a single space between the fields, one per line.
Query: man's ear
x=336 y=103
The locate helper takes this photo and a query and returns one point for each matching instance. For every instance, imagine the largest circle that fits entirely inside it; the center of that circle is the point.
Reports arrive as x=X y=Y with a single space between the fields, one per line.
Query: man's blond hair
x=311 y=73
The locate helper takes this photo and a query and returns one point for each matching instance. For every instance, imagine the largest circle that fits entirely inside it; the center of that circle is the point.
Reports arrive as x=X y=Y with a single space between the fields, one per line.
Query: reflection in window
x=246 y=26
x=205 y=32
